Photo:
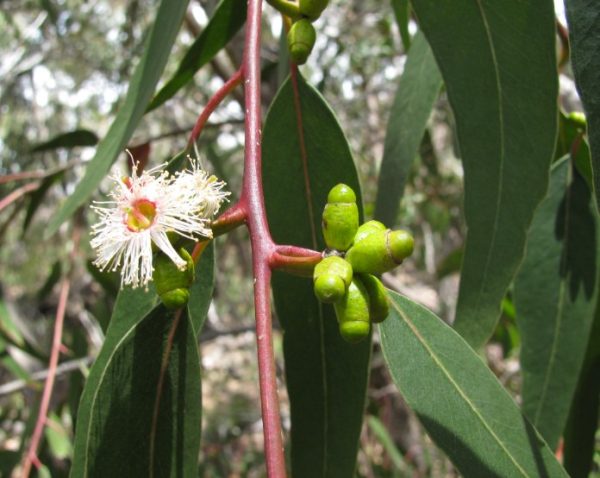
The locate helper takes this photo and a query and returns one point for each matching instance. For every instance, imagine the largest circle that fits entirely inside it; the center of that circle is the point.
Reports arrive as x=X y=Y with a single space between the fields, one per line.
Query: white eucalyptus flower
x=143 y=209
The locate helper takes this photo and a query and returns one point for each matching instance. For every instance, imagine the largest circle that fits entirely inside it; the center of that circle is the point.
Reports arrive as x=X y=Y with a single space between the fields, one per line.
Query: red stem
x=252 y=200
x=212 y=104
x=31 y=455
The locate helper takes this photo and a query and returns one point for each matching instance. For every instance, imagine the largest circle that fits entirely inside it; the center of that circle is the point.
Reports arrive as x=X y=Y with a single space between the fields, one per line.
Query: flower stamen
x=140 y=215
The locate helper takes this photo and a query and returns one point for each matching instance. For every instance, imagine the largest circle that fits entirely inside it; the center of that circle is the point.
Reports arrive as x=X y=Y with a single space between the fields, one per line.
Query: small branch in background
x=222 y=70
x=212 y=104
x=17 y=193
x=31 y=454
x=213 y=334
x=186 y=130
x=62 y=369
x=38 y=174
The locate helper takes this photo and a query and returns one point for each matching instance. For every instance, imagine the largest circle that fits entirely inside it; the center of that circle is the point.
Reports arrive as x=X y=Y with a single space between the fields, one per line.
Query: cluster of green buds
x=301 y=35
x=346 y=277
x=172 y=283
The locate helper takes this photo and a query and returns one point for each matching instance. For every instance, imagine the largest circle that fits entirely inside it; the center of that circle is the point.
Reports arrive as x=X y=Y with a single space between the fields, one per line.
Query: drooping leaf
x=119 y=431
x=418 y=89
x=326 y=377
x=71 y=139
x=583 y=17
x=402 y=13
x=459 y=401
x=582 y=425
x=499 y=66
x=228 y=18
x=147 y=73
x=555 y=296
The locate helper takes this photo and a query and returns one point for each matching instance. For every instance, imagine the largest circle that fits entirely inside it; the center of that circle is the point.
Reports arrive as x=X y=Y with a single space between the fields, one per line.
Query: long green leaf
x=459 y=401
x=555 y=296
x=228 y=18
x=147 y=73
x=115 y=435
x=580 y=432
x=326 y=377
x=499 y=67
x=418 y=89
x=583 y=17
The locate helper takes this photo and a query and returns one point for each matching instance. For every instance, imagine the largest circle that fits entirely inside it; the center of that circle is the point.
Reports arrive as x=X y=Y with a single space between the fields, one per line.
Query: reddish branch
x=262 y=245
x=216 y=99
x=31 y=455
x=17 y=193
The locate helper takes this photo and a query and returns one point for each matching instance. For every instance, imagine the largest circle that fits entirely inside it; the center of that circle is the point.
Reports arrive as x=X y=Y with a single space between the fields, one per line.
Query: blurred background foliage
x=65 y=67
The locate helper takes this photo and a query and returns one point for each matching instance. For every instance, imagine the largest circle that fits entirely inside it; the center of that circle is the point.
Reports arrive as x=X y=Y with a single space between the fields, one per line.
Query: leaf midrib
x=502 y=153
x=448 y=376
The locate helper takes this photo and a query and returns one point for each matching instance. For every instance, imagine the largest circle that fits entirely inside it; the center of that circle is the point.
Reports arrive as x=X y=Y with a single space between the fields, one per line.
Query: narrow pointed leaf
x=499 y=67
x=402 y=13
x=147 y=73
x=555 y=297
x=326 y=377
x=71 y=139
x=418 y=89
x=583 y=17
x=228 y=18
x=119 y=432
x=462 y=405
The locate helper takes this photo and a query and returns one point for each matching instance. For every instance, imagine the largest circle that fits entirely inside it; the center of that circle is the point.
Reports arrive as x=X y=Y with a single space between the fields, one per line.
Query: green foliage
x=477 y=83
x=418 y=89
x=458 y=400
x=555 y=296
x=504 y=104
x=148 y=369
x=228 y=18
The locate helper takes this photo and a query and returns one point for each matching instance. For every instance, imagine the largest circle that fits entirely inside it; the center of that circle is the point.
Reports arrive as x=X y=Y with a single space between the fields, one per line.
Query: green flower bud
x=332 y=276
x=172 y=284
x=340 y=218
x=379 y=302
x=341 y=193
x=312 y=8
x=329 y=288
x=380 y=251
x=301 y=39
x=367 y=229
x=353 y=313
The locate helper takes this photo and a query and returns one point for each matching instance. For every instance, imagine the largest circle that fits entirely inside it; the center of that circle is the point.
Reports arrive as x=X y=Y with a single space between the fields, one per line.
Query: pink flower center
x=140 y=215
